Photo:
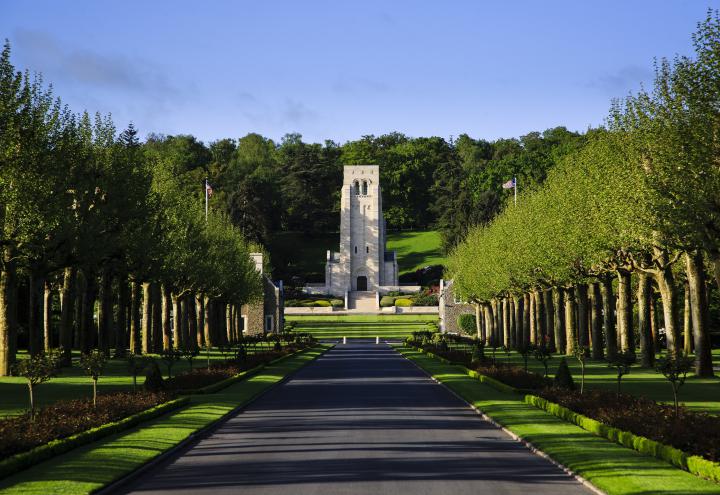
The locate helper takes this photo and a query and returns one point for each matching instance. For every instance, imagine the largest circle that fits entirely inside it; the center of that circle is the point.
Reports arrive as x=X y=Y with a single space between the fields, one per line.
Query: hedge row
x=692 y=463
x=24 y=460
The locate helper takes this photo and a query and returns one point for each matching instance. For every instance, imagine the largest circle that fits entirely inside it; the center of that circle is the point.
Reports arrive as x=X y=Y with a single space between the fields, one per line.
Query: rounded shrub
x=402 y=302
x=387 y=301
x=322 y=303
x=337 y=303
x=466 y=322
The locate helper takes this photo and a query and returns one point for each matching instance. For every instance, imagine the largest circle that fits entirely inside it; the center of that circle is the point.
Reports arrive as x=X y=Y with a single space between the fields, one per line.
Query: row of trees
x=633 y=211
x=100 y=227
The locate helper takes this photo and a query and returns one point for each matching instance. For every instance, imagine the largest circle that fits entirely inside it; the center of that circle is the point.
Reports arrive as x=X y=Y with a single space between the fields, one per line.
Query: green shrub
x=322 y=303
x=466 y=322
x=403 y=302
x=337 y=303
x=563 y=377
x=425 y=300
x=387 y=301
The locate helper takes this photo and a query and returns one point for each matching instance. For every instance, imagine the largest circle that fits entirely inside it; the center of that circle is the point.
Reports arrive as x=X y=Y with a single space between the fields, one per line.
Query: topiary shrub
x=153 y=378
x=466 y=322
x=402 y=302
x=387 y=301
x=322 y=303
x=337 y=303
x=563 y=377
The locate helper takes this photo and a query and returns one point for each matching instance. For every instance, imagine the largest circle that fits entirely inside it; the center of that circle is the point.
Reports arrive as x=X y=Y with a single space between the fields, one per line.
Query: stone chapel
x=362 y=264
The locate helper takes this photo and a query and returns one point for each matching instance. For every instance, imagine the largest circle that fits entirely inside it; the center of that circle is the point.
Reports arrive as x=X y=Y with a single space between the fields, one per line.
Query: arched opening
x=364 y=188
x=362 y=283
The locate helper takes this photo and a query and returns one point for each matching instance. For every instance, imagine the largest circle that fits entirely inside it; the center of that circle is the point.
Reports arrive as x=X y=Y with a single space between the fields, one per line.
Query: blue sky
x=339 y=70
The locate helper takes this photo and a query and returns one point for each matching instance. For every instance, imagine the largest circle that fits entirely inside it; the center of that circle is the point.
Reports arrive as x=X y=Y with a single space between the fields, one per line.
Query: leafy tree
x=94 y=364
x=136 y=363
x=582 y=353
x=675 y=370
x=622 y=364
x=171 y=356
x=36 y=370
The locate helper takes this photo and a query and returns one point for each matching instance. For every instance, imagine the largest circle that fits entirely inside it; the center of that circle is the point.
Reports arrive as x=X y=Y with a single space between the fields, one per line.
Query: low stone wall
x=417 y=310
x=399 y=288
x=310 y=311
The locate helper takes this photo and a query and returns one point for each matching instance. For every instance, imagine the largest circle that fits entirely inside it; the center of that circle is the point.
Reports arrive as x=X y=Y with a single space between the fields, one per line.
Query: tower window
x=367 y=249
x=364 y=188
x=356 y=185
x=355 y=249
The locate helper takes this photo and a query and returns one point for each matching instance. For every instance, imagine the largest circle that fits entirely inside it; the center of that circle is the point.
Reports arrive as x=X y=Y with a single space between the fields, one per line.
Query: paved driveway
x=359 y=420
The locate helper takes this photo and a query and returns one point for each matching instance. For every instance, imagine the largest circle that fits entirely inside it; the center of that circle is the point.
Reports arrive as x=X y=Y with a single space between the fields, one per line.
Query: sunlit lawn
x=73 y=383
x=395 y=327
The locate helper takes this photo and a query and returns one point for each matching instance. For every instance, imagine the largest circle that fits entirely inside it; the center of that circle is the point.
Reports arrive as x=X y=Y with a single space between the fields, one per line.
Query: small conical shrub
x=153 y=378
x=563 y=377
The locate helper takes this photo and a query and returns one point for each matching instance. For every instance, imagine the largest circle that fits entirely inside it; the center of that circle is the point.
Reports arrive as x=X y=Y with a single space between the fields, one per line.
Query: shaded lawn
x=700 y=394
x=73 y=383
x=609 y=466
x=416 y=249
x=93 y=466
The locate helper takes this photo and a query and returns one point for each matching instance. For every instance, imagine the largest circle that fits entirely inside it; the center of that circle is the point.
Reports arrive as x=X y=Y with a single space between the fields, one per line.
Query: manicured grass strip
x=361 y=326
x=23 y=460
x=93 y=466
x=607 y=465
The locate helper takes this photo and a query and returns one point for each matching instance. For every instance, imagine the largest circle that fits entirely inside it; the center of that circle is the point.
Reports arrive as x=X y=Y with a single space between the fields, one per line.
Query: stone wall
x=450 y=310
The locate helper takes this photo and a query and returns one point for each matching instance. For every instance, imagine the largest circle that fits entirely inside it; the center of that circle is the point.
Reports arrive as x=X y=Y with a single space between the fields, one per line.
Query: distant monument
x=362 y=264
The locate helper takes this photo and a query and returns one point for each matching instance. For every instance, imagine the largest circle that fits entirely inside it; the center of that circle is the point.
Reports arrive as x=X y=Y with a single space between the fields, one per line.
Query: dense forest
x=628 y=220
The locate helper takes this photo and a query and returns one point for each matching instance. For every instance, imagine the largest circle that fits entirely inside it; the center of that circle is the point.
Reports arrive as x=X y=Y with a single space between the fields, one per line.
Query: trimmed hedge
x=24 y=460
x=402 y=302
x=692 y=463
x=387 y=301
x=337 y=303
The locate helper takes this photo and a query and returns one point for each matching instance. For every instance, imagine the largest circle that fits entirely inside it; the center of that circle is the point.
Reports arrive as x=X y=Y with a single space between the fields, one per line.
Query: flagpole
x=206 y=200
x=515 y=189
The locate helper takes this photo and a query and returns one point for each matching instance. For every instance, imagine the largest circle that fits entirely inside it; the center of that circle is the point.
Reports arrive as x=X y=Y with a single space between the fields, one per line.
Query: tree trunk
x=147 y=318
x=596 y=333
x=512 y=332
x=606 y=290
x=654 y=318
x=121 y=331
x=714 y=257
x=105 y=312
x=647 y=347
x=533 y=318
x=177 y=325
x=135 y=317
x=699 y=308
x=193 y=339
x=668 y=294
x=518 y=310
x=66 y=314
x=625 y=311
x=200 y=315
x=506 y=321
x=34 y=312
x=549 y=320
x=157 y=317
x=207 y=330
x=166 y=318
x=540 y=318
x=570 y=321
x=526 y=319
x=47 y=315
x=687 y=320
x=559 y=320
x=7 y=317
x=581 y=295
x=487 y=309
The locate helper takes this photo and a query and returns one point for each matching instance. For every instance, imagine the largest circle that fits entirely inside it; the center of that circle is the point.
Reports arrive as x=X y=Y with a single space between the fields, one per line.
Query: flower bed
x=66 y=418
x=692 y=432
x=203 y=377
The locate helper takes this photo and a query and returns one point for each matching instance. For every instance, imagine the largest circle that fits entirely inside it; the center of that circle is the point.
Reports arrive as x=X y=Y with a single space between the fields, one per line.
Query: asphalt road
x=359 y=420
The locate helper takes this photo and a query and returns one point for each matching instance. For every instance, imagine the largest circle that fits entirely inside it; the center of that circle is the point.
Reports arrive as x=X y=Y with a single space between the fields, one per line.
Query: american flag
x=208 y=189
x=509 y=184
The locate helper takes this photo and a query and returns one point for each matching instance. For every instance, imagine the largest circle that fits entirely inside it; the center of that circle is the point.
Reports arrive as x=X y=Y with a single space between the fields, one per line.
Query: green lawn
x=361 y=326
x=293 y=253
x=609 y=466
x=702 y=394
x=73 y=383
x=416 y=249
x=89 y=468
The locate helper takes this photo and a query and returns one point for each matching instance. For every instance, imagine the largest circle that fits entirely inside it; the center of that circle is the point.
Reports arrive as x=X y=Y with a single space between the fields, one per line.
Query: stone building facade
x=451 y=307
x=266 y=315
x=362 y=264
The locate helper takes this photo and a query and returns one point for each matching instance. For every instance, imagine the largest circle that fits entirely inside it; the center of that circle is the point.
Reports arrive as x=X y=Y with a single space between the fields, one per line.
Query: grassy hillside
x=395 y=327
x=294 y=254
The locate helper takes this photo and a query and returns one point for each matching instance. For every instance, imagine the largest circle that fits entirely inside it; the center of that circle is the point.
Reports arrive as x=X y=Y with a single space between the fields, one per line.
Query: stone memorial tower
x=362 y=263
